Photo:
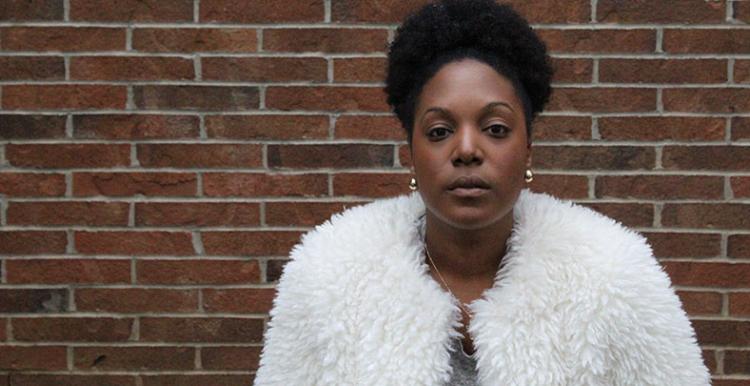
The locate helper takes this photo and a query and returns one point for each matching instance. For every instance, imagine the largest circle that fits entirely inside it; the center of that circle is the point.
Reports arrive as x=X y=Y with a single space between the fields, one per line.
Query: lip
x=469 y=183
x=468 y=192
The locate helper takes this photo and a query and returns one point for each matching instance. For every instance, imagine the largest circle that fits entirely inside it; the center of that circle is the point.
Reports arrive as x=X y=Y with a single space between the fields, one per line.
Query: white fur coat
x=578 y=300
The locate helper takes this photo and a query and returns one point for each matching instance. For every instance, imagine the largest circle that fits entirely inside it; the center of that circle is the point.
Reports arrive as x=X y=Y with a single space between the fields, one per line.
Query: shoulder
x=552 y=225
x=331 y=249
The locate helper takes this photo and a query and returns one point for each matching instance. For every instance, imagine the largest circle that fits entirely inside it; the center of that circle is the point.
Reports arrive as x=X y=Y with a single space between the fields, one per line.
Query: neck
x=467 y=254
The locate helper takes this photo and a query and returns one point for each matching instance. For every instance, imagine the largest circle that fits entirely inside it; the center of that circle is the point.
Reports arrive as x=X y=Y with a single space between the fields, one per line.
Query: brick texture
x=159 y=159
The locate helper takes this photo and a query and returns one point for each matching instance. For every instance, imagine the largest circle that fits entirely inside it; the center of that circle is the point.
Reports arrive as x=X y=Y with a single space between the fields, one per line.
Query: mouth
x=468 y=186
x=469 y=182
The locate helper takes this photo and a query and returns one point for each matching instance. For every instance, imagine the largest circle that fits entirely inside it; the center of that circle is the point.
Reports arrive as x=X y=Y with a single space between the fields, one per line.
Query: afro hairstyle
x=450 y=30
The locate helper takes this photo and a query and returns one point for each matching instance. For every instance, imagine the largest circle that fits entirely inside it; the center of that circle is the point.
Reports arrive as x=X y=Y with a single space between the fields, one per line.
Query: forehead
x=467 y=84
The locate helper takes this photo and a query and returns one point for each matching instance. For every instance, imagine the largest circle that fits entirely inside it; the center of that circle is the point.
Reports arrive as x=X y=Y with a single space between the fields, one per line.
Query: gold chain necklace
x=460 y=303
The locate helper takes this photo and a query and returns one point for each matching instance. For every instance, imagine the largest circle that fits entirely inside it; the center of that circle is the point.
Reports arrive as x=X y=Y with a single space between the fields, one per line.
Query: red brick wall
x=160 y=158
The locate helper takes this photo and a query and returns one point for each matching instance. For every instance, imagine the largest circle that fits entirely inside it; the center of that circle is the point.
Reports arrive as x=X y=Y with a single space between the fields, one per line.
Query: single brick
x=132 y=10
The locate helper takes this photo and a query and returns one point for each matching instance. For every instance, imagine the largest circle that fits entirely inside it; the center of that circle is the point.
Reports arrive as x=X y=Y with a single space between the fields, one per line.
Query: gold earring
x=413 y=184
x=528 y=176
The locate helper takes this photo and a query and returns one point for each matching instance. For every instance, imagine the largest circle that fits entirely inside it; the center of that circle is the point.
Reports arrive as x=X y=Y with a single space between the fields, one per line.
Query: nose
x=467 y=150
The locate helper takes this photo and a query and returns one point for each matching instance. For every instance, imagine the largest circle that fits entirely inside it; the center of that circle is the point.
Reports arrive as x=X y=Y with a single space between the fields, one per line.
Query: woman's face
x=470 y=132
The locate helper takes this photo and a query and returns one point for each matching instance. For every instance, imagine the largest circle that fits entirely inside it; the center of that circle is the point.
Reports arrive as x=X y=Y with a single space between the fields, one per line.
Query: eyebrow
x=485 y=109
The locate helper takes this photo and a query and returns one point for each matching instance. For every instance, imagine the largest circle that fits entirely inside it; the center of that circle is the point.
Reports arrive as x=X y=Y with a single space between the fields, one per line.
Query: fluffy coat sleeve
x=651 y=339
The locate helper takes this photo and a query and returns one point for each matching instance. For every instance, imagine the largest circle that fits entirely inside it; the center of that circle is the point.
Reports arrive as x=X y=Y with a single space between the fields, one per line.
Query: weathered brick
x=721 y=41
x=196 y=40
x=259 y=184
x=32 y=242
x=740 y=186
x=722 y=332
x=369 y=127
x=252 y=243
x=739 y=303
x=593 y=157
x=662 y=71
x=132 y=10
x=709 y=100
x=672 y=244
x=560 y=128
x=707 y=216
x=75 y=155
x=701 y=303
x=303 y=213
x=134 y=243
x=742 y=71
x=18 y=10
x=200 y=155
x=136 y=300
x=131 y=68
x=572 y=70
x=133 y=358
x=33 y=300
x=334 y=40
x=741 y=11
x=663 y=187
x=41 y=379
x=16 y=126
x=737 y=362
x=393 y=11
x=359 y=70
x=63 y=329
x=603 y=99
x=631 y=215
x=662 y=128
x=67 y=96
x=267 y=127
x=262 y=11
x=67 y=271
x=238 y=300
x=598 y=40
x=265 y=69
x=739 y=246
x=339 y=98
x=196 y=97
x=204 y=379
x=32 y=68
x=62 y=39
x=131 y=184
x=708 y=274
x=197 y=271
x=370 y=184
x=135 y=126
x=201 y=329
x=196 y=214
x=323 y=156
x=68 y=213
x=563 y=186
x=706 y=157
x=672 y=12
x=32 y=184
x=16 y=358
x=230 y=358
x=740 y=128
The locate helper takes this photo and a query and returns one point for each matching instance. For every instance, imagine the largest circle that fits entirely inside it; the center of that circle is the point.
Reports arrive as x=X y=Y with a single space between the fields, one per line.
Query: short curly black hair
x=449 y=30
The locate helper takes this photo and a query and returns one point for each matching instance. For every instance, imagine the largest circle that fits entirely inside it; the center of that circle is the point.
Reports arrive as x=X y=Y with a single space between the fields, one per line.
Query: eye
x=498 y=130
x=438 y=132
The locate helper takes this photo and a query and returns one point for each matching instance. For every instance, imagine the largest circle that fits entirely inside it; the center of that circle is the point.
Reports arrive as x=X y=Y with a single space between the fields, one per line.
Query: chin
x=470 y=217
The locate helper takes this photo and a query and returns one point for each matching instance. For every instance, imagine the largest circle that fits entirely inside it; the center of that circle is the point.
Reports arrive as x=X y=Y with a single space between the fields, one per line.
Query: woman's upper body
x=541 y=292
x=578 y=300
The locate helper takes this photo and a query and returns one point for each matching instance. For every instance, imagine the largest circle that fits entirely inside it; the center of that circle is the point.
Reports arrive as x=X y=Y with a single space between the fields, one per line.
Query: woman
x=474 y=280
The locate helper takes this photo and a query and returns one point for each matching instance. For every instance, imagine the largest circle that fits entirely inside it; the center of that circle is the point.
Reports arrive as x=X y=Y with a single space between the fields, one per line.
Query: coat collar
x=417 y=330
